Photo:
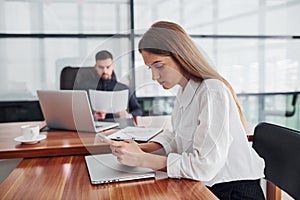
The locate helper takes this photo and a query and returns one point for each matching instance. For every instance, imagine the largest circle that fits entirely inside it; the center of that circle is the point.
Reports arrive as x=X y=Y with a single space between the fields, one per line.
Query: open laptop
x=105 y=168
x=70 y=110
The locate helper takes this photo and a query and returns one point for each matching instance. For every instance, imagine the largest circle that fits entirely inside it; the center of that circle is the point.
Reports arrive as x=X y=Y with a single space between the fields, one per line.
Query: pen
x=102 y=136
x=108 y=140
x=105 y=138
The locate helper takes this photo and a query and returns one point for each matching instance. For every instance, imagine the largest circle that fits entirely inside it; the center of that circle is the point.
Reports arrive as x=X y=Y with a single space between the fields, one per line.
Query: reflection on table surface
x=66 y=177
x=57 y=143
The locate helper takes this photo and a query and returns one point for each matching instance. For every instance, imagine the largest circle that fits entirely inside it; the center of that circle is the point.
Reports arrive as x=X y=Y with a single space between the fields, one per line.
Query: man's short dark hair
x=102 y=55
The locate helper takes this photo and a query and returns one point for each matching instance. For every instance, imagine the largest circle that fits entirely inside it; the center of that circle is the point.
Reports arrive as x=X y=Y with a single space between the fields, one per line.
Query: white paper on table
x=109 y=101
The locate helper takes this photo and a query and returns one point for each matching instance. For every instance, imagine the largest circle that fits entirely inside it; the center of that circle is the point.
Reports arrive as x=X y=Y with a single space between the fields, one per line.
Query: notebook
x=138 y=134
x=70 y=110
x=105 y=168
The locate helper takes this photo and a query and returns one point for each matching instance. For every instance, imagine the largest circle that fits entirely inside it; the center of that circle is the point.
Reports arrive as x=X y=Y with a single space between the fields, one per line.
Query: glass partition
x=255 y=44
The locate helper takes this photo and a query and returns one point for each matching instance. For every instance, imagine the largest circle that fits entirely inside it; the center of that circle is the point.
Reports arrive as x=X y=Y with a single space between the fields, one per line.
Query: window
x=255 y=44
x=39 y=38
x=252 y=38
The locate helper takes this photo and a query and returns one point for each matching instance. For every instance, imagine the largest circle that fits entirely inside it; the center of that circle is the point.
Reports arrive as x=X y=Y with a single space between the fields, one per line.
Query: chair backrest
x=280 y=148
x=78 y=78
x=67 y=77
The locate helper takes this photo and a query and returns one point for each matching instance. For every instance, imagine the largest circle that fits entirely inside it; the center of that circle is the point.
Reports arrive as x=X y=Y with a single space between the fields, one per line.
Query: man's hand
x=99 y=115
x=124 y=114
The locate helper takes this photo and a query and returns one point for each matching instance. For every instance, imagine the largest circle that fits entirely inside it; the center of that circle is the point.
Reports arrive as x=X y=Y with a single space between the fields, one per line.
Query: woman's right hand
x=127 y=152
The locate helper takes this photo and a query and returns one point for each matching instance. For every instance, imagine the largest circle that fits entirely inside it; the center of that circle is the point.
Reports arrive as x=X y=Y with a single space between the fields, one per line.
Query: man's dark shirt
x=90 y=80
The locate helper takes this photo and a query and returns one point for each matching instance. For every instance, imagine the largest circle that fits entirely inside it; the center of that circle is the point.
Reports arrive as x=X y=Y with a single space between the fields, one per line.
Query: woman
x=208 y=142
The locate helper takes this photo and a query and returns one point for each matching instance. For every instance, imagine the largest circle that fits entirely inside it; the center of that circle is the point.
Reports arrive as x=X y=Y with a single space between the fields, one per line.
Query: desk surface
x=66 y=177
x=58 y=143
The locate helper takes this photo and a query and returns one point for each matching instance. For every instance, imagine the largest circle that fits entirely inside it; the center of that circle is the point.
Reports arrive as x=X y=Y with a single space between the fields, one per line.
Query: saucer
x=31 y=141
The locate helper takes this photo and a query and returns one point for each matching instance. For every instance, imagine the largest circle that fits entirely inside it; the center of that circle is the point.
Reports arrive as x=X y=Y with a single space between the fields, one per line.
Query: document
x=109 y=101
x=138 y=134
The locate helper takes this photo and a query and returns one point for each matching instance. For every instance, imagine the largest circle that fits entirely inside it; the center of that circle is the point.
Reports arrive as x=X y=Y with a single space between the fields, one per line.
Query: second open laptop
x=70 y=110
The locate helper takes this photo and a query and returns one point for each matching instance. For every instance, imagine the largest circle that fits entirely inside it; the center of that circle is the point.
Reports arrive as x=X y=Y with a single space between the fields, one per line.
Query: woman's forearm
x=155 y=162
x=153 y=158
x=152 y=147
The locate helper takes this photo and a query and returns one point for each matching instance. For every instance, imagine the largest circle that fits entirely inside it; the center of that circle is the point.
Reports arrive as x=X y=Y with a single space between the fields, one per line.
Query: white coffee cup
x=30 y=132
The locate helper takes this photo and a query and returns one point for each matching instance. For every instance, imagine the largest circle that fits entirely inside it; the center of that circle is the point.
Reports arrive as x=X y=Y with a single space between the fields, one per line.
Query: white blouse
x=208 y=142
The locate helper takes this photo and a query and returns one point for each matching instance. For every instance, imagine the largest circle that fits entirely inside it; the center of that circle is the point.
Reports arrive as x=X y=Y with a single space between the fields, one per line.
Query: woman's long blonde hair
x=170 y=39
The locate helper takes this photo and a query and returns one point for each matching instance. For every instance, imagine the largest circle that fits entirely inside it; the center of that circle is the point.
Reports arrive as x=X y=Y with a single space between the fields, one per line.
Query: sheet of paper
x=109 y=101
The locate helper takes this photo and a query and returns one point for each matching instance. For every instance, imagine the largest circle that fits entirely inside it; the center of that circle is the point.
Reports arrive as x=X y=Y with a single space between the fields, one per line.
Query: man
x=108 y=82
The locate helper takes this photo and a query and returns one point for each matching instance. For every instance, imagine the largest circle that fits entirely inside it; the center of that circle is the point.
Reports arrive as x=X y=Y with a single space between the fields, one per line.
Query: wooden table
x=48 y=173
x=57 y=143
x=66 y=177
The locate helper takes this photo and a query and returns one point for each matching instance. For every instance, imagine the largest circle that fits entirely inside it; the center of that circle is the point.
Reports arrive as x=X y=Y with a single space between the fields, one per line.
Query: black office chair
x=75 y=78
x=67 y=77
x=280 y=148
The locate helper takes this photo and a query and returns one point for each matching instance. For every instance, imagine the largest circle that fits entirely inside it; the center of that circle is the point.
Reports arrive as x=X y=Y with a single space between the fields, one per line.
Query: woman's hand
x=128 y=152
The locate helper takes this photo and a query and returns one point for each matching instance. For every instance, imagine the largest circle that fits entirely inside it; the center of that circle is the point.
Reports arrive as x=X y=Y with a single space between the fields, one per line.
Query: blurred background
x=254 y=44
